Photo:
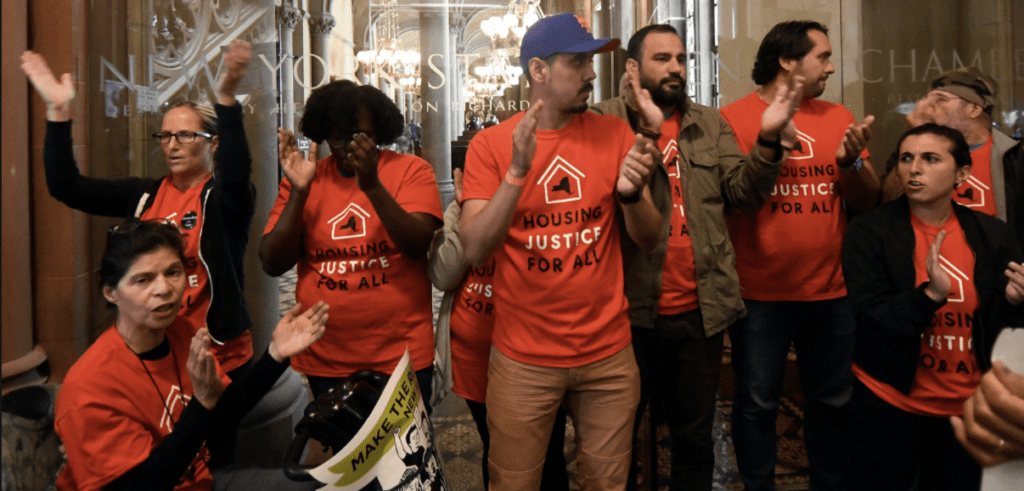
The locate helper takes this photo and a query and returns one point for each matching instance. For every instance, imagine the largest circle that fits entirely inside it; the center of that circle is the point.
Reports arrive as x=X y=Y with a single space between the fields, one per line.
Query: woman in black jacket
x=145 y=407
x=212 y=208
x=927 y=285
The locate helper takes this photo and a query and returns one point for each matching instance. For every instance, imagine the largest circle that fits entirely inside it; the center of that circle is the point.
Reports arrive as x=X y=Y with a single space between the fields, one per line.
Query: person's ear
x=974 y=110
x=110 y=293
x=632 y=66
x=539 y=70
x=788 y=64
x=962 y=173
x=213 y=145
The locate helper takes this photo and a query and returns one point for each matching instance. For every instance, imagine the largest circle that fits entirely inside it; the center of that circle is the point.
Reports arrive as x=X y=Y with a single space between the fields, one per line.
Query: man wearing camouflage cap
x=963 y=99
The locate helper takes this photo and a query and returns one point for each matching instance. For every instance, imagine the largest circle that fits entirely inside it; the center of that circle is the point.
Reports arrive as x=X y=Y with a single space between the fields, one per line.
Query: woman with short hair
x=145 y=407
x=358 y=223
x=931 y=284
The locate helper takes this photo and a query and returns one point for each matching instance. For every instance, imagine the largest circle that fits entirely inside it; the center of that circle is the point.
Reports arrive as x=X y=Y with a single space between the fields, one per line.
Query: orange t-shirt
x=185 y=208
x=976 y=191
x=947 y=371
x=679 y=276
x=558 y=284
x=380 y=301
x=790 y=249
x=110 y=414
x=472 y=322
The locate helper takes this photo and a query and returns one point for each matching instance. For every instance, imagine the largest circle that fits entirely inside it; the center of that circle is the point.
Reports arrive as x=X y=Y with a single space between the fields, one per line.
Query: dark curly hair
x=958 y=146
x=129 y=240
x=337 y=106
x=786 y=40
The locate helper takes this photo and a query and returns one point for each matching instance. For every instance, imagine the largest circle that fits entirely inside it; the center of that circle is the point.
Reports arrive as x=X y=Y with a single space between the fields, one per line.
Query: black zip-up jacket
x=892 y=312
x=229 y=203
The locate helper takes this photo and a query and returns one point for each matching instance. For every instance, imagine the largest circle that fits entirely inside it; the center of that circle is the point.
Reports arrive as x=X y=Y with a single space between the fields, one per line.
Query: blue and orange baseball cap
x=561 y=33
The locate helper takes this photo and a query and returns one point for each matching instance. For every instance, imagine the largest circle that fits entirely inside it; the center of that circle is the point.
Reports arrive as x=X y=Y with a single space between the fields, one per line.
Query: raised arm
x=117 y=198
x=412 y=232
x=281 y=248
x=295 y=332
x=859 y=187
x=233 y=155
x=485 y=223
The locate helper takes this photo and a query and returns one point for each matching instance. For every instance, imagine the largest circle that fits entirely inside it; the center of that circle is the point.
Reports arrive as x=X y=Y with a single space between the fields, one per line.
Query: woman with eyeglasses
x=931 y=284
x=135 y=410
x=358 y=223
x=213 y=207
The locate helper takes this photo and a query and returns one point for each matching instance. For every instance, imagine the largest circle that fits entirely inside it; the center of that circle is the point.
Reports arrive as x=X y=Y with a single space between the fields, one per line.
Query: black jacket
x=892 y=312
x=229 y=202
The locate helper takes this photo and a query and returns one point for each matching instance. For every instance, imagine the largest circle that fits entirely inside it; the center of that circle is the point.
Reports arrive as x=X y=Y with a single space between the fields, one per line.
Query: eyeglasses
x=181 y=136
x=129 y=226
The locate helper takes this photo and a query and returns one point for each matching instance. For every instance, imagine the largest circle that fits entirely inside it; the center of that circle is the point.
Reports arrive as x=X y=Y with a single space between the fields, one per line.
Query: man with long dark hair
x=788 y=259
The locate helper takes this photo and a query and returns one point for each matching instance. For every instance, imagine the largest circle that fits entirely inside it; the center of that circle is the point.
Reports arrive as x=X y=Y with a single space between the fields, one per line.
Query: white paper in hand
x=1009 y=349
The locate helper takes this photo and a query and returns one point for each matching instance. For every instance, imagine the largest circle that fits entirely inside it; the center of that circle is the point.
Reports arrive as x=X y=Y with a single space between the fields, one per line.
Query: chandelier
x=506 y=33
x=512 y=26
x=385 y=57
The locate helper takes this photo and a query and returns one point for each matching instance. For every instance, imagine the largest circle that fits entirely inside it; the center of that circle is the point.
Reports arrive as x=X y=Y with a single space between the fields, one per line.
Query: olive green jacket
x=716 y=177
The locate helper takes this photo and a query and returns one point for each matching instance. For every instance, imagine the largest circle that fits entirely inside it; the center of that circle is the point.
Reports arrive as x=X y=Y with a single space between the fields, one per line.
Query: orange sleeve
x=284 y=190
x=418 y=192
x=483 y=172
x=101 y=445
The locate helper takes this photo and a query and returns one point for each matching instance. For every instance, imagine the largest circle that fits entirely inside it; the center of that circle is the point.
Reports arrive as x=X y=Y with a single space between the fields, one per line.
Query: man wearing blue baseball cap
x=547 y=193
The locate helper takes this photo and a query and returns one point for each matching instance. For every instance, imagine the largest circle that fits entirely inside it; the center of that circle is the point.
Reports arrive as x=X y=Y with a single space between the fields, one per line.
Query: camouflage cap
x=969 y=84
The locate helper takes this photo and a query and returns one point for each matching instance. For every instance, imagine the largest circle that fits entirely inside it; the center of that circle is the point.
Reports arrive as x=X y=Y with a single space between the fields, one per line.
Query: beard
x=813 y=91
x=582 y=107
x=663 y=96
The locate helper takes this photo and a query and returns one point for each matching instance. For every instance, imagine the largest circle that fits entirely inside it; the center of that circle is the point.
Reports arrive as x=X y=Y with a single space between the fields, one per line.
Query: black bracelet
x=769 y=144
x=646 y=133
x=628 y=200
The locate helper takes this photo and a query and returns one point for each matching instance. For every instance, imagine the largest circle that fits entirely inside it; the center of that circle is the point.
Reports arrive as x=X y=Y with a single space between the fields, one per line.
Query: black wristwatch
x=628 y=200
x=775 y=145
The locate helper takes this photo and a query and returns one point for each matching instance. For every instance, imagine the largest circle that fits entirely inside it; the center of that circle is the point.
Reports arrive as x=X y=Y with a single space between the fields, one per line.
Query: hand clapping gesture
x=207 y=386
x=635 y=170
x=299 y=170
x=56 y=95
x=362 y=157
x=297 y=330
x=777 y=119
x=854 y=142
x=524 y=141
x=651 y=115
x=939 y=283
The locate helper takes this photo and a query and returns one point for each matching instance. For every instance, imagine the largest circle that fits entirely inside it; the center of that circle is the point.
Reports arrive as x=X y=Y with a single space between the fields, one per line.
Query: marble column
x=261 y=290
x=320 y=25
x=435 y=97
x=288 y=18
x=454 y=85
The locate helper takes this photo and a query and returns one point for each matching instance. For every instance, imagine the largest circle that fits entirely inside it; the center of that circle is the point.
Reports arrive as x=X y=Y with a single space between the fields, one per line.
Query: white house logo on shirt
x=975 y=192
x=669 y=154
x=561 y=182
x=351 y=222
x=803 y=147
x=174 y=399
x=957 y=277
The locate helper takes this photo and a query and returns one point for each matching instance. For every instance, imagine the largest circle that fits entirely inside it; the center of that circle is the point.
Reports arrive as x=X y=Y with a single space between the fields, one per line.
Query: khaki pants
x=522 y=400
